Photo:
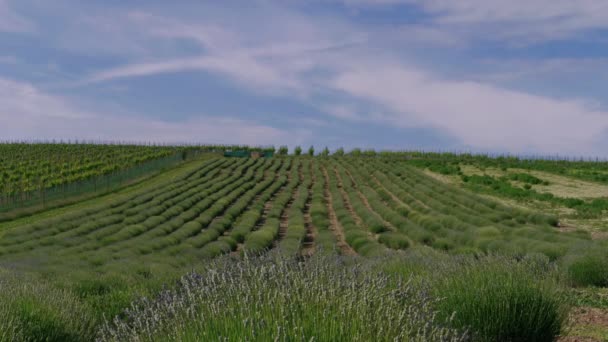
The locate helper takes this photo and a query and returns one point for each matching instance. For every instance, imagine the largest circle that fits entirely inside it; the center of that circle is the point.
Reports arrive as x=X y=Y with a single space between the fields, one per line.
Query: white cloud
x=480 y=115
x=517 y=21
x=11 y=21
x=320 y=59
x=241 y=68
x=28 y=113
x=272 y=65
x=580 y=13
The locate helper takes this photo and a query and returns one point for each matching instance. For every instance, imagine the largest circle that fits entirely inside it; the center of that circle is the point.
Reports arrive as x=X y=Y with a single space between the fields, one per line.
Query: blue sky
x=520 y=76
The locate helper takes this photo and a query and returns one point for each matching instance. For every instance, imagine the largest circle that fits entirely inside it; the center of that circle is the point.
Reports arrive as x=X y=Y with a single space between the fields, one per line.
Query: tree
x=369 y=153
x=297 y=150
x=311 y=151
x=339 y=152
x=356 y=152
x=283 y=150
x=325 y=152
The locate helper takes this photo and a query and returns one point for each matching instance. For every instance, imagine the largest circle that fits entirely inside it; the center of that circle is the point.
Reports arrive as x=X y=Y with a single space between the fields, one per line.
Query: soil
x=586 y=317
x=308 y=245
x=335 y=226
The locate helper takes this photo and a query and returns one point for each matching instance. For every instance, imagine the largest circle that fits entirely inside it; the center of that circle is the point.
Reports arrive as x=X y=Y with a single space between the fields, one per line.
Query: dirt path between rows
x=308 y=245
x=335 y=225
x=346 y=200
x=284 y=220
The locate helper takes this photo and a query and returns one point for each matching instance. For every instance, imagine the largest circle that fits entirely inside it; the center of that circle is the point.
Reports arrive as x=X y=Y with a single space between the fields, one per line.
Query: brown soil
x=308 y=244
x=284 y=220
x=595 y=234
x=586 y=316
x=335 y=226
x=577 y=339
x=589 y=316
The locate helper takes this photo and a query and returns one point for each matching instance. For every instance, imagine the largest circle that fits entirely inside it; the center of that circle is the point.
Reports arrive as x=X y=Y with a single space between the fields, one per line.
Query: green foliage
x=588 y=268
x=369 y=153
x=34 y=311
x=297 y=151
x=439 y=166
x=356 y=152
x=394 y=240
x=503 y=300
x=283 y=150
x=325 y=152
x=526 y=178
x=339 y=152
x=311 y=151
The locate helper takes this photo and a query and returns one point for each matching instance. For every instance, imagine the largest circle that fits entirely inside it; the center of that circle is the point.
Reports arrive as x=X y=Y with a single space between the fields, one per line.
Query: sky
x=519 y=76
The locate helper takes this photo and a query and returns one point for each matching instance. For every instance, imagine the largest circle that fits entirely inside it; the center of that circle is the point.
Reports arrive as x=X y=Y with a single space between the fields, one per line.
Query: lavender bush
x=327 y=298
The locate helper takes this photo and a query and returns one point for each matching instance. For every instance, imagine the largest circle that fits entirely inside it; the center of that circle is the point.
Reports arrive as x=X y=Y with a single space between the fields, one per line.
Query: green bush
x=588 y=269
x=33 y=311
x=503 y=300
x=394 y=240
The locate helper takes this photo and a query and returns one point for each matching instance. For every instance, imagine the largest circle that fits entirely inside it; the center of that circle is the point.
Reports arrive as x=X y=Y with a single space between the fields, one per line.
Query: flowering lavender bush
x=327 y=298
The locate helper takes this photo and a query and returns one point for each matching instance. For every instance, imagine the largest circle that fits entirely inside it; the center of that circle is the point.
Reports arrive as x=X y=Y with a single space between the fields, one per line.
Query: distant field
x=441 y=224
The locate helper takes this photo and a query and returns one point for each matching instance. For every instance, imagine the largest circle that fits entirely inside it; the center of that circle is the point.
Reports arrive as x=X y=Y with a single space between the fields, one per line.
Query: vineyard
x=299 y=213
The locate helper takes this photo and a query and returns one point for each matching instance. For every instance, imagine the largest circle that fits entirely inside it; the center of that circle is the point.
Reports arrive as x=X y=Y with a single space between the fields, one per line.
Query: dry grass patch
x=560 y=186
x=587 y=324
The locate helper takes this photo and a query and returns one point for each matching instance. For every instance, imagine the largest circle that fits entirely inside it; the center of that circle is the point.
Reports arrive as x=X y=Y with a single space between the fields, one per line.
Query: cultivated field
x=359 y=246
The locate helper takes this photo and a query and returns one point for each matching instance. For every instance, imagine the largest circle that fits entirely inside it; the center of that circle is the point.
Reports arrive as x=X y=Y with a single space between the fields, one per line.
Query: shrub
x=33 y=311
x=394 y=240
x=325 y=152
x=272 y=299
x=503 y=300
x=283 y=150
x=588 y=269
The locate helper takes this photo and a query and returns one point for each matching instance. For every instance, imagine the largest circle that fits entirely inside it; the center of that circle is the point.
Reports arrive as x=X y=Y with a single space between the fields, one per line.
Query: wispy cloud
x=516 y=21
x=267 y=66
x=11 y=21
x=34 y=114
x=360 y=64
